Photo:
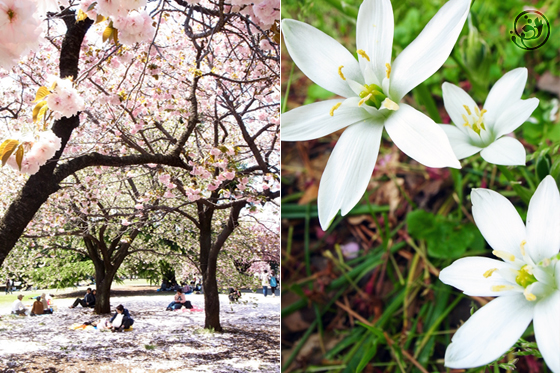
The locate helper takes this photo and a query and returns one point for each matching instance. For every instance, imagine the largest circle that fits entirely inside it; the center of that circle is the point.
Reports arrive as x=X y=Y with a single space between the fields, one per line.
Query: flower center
x=11 y=14
x=476 y=121
x=372 y=95
x=525 y=276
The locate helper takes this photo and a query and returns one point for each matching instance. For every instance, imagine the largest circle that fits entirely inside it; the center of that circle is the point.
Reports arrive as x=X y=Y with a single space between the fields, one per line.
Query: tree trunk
x=208 y=269
x=211 y=297
x=40 y=186
x=103 y=282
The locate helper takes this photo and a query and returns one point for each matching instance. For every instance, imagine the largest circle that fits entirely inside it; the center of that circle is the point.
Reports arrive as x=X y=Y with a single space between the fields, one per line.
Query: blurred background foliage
x=365 y=296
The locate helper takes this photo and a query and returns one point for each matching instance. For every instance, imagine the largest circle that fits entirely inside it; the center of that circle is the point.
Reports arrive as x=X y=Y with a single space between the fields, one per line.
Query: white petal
x=505 y=151
x=467 y=275
x=454 y=100
x=319 y=56
x=425 y=55
x=374 y=35
x=314 y=120
x=490 y=332
x=420 y=138
x=459 y=141
x=543 y=221
x=514 y=116
x=507 y=90
x=498 y=221
x=348 y=170
x=558 y=275
x=547 y=330
x=356 y=87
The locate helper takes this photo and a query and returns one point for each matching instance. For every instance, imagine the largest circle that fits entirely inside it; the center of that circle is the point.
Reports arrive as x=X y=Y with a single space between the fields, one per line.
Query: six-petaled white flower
x=483 y=130
x=373 y=88
x=526 y=280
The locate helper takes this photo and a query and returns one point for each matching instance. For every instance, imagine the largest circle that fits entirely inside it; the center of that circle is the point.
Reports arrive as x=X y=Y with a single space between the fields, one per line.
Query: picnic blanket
x=193 y=309
x=78 y=326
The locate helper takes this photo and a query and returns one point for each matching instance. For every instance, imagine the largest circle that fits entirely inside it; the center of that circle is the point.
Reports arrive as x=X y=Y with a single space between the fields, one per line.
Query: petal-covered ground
x=161 y=341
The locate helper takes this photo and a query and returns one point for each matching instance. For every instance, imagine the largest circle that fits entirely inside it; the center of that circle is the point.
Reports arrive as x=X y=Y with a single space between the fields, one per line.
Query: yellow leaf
x=7 y=148
x=81 y=16
x=100 y=19
x=42 y=112
x=116 y=36
x=53 y=87
x=42 y=92
x=37 y=108
x=107 y=33
x=19 y=156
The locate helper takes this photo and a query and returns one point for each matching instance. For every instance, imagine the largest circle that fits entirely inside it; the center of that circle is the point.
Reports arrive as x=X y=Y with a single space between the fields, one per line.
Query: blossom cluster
x=64 y=100
x=133 y=26
x=20 y=30
x=38 y=153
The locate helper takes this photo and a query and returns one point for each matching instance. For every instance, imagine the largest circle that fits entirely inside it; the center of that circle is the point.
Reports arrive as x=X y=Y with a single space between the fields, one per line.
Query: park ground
x=161 y=341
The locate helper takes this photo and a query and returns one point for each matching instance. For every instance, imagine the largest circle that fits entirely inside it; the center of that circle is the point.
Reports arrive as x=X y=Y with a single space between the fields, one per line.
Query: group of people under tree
x=41 y=306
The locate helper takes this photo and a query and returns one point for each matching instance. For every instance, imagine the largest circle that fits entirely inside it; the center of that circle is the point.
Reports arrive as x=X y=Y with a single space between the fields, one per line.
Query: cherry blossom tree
x=189 y=98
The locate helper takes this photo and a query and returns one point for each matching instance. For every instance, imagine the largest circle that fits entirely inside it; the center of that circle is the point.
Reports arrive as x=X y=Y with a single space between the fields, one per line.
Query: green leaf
x=444 y=238
x=317 y=93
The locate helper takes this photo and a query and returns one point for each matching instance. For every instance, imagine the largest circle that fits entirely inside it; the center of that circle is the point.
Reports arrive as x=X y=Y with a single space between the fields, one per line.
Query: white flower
x=526 y=280
x=373 y=89
x=477 y=130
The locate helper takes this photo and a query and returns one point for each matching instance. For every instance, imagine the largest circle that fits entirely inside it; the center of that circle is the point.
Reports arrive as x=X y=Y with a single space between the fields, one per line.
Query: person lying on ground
x=37 y=308
x=179 y=301
x=18 y=308
x=88 y=301
x=121 y=320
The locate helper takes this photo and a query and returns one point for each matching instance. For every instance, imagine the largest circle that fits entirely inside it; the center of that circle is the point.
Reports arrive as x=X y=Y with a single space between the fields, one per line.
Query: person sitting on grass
x=18 y=308
x=179 y=301
x=37 y=308
x=234 y=295
x=121 y=320
x=46 y=308
x=88 y=301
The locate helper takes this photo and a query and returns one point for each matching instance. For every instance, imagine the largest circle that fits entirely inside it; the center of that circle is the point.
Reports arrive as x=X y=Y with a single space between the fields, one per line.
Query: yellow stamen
x=391 y=105
x=522 y=247
x=467 y=109
x=483 y=111
x=334 y=108
x=466 y=124
x=388 y=66
x=489 y=272
x=529 y=296
x=364 y=100
x=477 y=110
x=504 y=255
x=502 y=287
x=340 y=72
x=362 y=53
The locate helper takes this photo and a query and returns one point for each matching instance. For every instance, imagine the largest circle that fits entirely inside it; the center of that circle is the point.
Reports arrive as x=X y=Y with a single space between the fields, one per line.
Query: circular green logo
x=531 y=30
